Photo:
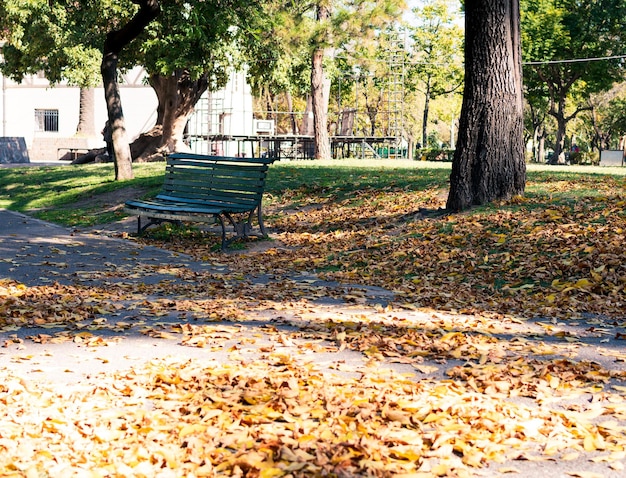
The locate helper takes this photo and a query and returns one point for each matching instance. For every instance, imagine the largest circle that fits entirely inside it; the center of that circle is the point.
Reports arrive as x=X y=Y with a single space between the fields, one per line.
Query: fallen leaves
x=46 y=305
x=173 y=418
x=532 y=259
x=488 y=315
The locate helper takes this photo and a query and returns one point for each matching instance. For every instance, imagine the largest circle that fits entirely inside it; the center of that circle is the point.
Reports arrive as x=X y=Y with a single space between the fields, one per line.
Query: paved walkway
x=37 y=253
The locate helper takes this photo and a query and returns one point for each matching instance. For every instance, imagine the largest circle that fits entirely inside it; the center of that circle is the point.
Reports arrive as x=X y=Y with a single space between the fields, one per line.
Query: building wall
x=223 y=113
x=228 y=111
x=18 y=103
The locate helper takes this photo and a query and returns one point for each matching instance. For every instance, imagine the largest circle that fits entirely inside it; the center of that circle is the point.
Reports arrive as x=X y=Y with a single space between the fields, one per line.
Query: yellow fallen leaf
x=425 y=369
x=271 y=472
x=570 y=456
x=508 y=470
x=583 y=283
x=190 y=429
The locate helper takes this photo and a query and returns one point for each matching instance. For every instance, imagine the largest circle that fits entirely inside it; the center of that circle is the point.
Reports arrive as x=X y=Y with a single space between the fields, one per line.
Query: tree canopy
x=437 y=54
x=187 y=50
x=567 y=45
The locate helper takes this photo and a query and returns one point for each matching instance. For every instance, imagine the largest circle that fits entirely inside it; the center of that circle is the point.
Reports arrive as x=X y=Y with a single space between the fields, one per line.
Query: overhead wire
x=574 y=60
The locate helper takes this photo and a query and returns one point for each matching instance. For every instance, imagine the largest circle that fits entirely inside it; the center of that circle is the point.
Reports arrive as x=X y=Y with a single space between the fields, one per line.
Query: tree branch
x=116 y=40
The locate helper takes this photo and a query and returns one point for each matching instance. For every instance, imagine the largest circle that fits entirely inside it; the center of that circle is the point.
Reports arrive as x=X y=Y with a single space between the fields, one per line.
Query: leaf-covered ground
x=533 y=257
x=497 y=346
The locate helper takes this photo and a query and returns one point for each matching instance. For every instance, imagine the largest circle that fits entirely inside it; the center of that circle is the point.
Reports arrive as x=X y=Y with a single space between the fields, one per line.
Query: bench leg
x=223 y=226
x=153 y=221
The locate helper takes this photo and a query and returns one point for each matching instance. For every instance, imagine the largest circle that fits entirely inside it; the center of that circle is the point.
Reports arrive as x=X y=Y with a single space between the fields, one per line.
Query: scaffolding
x=395 y=98
x=387 y=138
x=222 y=124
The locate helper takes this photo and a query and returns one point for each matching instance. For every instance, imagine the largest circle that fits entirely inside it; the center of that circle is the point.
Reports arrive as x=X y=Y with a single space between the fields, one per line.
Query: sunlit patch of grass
x=31 y=188
x=83 y=217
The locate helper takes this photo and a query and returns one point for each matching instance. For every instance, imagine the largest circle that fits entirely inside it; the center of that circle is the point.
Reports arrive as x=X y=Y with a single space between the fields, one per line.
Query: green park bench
x=199 y=188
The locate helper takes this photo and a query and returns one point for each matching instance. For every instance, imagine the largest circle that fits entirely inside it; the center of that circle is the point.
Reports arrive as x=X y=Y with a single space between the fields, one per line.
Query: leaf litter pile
x=493 y=315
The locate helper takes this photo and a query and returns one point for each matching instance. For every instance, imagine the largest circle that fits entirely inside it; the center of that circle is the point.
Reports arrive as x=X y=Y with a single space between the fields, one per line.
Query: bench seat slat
x=208 y=195
x=216 y=172
x=207 y=190
x=235 y=169
x=219 y=183
x=172 y=206
x=212 y=202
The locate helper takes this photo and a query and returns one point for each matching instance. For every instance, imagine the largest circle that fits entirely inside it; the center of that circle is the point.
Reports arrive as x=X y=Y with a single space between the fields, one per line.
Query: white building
x=222 y=115
x=47 y=117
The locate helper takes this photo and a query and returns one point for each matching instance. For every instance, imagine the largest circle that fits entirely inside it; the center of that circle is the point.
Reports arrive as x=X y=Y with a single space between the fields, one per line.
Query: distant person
x=107 y=134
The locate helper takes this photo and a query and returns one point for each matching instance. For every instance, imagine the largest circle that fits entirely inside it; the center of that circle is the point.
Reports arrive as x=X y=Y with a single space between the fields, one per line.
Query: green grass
x=340 y=179
x=30 y=188
x=68 y=194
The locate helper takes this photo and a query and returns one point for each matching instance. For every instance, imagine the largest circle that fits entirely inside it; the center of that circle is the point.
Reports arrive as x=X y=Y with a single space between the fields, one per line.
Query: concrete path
x=37 y=253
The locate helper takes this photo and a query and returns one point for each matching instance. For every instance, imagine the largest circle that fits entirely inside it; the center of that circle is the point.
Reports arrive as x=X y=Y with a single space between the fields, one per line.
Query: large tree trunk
x=489 y=159
x=86 y=113
x=559 y=144
x=319 y=99
x=177 y=96
x=121 y=149
x=541 y=147
x=306 y=128
x=410 y=154
x=115 y=41
x=372 y=112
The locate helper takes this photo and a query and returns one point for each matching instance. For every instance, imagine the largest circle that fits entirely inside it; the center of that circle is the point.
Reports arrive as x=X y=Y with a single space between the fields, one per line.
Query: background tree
x=189 y=49
x=31 y=29
x=278 y=70
x=116 y=40
x=367 y=81
x=607 y=119
x=489 y=159
x=554 y=34
x=70 y=42
x=536 y=120
x=326 y=27
x=437 y=63
x=192 y=48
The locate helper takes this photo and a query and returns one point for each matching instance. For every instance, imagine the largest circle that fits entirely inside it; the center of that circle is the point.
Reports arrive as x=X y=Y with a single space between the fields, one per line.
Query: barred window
x=46 y=120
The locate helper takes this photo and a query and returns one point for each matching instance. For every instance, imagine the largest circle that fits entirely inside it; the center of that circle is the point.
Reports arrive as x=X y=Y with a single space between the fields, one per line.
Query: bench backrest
x=236 y=183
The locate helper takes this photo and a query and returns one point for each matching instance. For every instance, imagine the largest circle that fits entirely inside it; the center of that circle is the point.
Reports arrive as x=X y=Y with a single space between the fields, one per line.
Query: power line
x=575 y=60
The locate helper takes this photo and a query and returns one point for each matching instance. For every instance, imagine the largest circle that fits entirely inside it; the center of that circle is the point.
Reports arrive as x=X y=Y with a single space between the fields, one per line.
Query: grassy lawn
x=87 y=194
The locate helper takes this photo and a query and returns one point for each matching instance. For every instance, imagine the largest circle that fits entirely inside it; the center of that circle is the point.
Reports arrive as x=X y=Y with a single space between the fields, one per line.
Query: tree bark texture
x=86 y=113
x=177 y=95
x=306 y=127
x=559 y=143
x=425 y=116
x=292 y=116
x=115 y=42
x=319 y=99
x=489 y=160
